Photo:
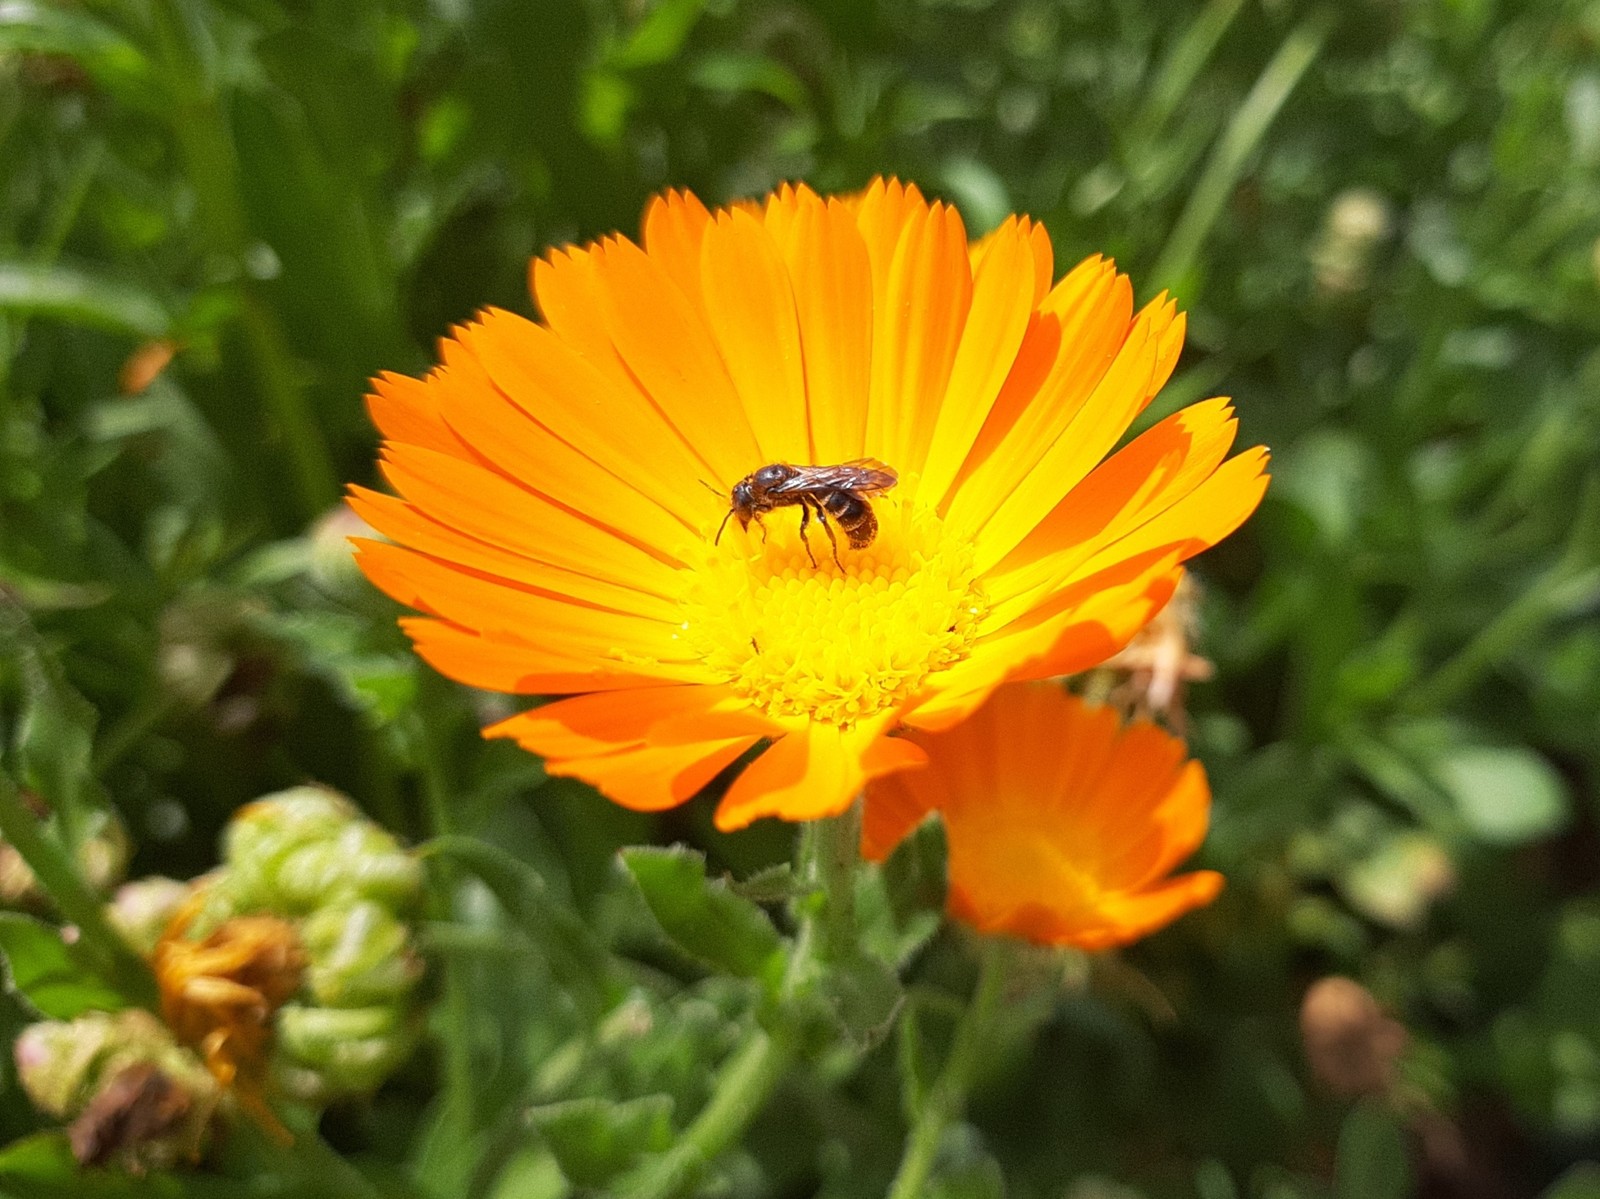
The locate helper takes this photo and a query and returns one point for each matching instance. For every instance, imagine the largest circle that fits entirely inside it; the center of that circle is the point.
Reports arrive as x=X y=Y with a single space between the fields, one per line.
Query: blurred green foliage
x=1384 y=220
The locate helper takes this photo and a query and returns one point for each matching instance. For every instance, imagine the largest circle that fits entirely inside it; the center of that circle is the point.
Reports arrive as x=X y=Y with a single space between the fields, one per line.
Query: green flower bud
x=62 y=1062
x=141 y=909
x=328 y=1052
x=308 y=855
x=332 y=557
x=102 y=858
x=359 y=954
x=262 y=834
x=362 y=862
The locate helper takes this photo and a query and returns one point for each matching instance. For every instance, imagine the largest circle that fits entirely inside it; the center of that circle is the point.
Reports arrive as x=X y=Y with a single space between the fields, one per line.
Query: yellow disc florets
x=837 y=641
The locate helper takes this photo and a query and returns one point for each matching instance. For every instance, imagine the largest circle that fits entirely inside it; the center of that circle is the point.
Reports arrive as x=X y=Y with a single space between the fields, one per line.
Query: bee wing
x=872 y=475
x=859 y=477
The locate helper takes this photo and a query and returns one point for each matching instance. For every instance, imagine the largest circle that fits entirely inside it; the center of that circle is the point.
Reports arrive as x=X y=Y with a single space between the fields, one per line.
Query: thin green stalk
x=59 y=877
x=1570 y=585
x=1183 y=66
x=1238 y=142
x=828 y=855
x=838 y=858
x=947 y=1097
x=461 y=1089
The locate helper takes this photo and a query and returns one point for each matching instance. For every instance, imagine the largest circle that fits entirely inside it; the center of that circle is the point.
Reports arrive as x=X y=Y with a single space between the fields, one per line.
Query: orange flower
x=1062 y=823
x=562 y=483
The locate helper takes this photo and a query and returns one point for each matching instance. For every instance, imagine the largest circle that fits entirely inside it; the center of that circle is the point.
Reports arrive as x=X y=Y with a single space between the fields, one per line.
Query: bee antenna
x=716 y=491
x=717 y=540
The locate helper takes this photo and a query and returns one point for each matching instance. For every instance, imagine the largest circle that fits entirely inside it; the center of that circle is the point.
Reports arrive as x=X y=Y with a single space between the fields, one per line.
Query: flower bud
x=1356 y=222
x=333 y=560
x=360 y=954
x=325 y=1052
x=1353 y=1047
x=300 y=848
x=102 y=857
x=141 y=909
x=136 y=1097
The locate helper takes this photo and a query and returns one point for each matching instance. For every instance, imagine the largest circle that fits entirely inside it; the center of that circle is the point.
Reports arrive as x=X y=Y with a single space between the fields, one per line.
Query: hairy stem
x=58 y=875
x=947 y=1097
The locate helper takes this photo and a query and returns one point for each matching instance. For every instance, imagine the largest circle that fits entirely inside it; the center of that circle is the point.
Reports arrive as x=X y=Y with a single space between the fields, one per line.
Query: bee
x=839 y=492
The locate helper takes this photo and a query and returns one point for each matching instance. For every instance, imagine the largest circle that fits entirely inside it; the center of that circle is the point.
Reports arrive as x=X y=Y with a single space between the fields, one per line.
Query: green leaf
x=1372 y=1161
x=1506 y=795
x=50 y=974
x=42 y=1167
x=1580 y=1182
x=595 y=1140
x=110 y=59
x=864 y=996
x=660 y=36
x=775 y=884
x=915 y=872
x=575 y=956
x=32 y=289
x=704 y=917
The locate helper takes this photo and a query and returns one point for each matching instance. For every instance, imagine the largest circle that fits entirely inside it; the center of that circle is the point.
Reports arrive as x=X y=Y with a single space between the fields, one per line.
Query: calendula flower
x=1063 y=824
x=562 y=485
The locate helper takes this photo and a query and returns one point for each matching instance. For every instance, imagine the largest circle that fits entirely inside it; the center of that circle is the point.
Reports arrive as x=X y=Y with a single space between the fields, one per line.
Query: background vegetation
x=1382 y=217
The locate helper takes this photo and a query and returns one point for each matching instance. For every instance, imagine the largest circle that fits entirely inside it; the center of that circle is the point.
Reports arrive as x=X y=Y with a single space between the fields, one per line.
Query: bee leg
x=827 y=528
x=763 y=525
x=805 y=519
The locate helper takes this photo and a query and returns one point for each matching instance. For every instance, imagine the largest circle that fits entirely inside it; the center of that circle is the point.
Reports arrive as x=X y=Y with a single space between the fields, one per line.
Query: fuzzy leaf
x=704 y=917
x=594 y=1140
x=49 y=973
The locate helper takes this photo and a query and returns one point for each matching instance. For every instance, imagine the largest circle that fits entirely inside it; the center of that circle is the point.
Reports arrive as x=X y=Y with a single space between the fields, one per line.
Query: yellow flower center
x=837 y=641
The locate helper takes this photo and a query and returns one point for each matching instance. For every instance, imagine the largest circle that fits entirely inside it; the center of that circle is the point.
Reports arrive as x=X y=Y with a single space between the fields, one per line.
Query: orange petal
x=750 y=308
x=509 y=439
x=1002 y=303
x=495 y=607
x=590 y=725
x=501 y=663
x=831 y=277
x=608 y=421
x=815 y=771
x=1068 y=347
x=403 y=523
x=1120 y=395
x=1081 y=626
x=1158 y=470
x=1130 y=916
x=674 y=224
x=408 y=410
x=486 y=505
x=918 y=316
x=665 y=345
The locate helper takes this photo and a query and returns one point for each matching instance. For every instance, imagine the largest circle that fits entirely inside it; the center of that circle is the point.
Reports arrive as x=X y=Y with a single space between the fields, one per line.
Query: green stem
x=741 y=1091
x=58 y=875
x=828 y=855
x=461 y=1089
x=947 y=1097
x=837 y=858
x=1238 y=142
x=1570 y=585
x=1188 y=58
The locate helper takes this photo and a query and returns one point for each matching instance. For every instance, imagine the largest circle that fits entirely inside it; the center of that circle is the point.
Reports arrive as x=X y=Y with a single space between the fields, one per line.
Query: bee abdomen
x=854 y=515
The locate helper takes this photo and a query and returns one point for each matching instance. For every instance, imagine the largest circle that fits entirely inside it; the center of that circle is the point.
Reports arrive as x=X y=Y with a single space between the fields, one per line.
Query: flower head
x=561 y=485
x=1063 y=824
